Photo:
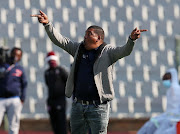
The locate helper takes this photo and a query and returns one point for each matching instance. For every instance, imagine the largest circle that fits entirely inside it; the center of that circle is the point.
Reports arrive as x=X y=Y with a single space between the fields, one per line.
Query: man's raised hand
x=42 y=17
x=136 y=33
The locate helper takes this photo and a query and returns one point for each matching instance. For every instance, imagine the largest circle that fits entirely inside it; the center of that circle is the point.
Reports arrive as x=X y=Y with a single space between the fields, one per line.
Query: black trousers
x=58 y=120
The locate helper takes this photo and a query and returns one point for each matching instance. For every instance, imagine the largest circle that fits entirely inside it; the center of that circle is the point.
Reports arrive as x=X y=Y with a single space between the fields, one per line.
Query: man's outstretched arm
x=59 y=40
x=117 y=53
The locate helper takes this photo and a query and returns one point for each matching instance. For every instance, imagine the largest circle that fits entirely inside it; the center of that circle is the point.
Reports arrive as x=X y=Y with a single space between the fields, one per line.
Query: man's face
x=52 y=63
x=16 y=54
x=167 y=80
x=91 y=39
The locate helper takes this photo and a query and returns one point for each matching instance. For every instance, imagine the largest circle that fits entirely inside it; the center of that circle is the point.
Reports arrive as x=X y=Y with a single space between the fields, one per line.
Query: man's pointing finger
x=35 y=15
x=143 y=30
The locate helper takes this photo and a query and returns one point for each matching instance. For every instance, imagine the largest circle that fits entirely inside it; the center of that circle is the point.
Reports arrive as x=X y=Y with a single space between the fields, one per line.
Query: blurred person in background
x=90 y=78
x=55 y=79
x=13 y=86
x=165 y=122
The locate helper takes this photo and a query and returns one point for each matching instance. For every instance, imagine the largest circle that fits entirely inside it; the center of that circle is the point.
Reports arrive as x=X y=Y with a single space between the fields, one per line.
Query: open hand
x=42 y=17
x=136 y=33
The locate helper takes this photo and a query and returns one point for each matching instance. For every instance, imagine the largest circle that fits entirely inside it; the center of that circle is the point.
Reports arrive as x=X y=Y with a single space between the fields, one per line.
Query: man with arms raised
x=90 y=79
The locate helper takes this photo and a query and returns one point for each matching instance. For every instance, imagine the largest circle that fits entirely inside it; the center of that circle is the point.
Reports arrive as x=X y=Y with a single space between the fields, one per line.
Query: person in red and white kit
x=55 y=79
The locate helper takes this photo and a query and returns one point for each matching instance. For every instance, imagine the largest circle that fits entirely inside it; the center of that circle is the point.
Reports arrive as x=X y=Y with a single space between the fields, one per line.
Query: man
x=13 y=85
x=90 y=78
x=165 y=122
x=55 y=79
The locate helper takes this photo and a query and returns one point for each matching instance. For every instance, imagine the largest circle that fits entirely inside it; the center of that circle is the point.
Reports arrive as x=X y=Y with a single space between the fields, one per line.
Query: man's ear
x=99 y=37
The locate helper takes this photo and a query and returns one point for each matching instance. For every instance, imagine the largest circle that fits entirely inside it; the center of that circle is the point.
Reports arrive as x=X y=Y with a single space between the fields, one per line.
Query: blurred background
x=139 y=93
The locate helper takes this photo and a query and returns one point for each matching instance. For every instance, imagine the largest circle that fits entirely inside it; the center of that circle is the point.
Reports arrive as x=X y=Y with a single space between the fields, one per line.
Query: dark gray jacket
x=103 y=66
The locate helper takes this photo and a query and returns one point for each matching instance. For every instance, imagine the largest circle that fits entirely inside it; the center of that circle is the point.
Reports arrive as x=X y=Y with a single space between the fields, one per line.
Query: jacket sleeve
x=64 y=74
x=116 y=53
x=45 y=78
x=23 y=86
x=61 y=41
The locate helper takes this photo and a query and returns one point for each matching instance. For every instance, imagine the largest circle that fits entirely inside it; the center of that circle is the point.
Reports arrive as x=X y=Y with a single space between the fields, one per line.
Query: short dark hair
x=16 y=48
x=98 y=30
x=167 y=76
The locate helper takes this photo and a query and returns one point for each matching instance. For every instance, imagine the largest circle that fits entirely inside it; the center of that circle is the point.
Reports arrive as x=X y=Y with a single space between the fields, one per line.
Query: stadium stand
x=137 y=78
